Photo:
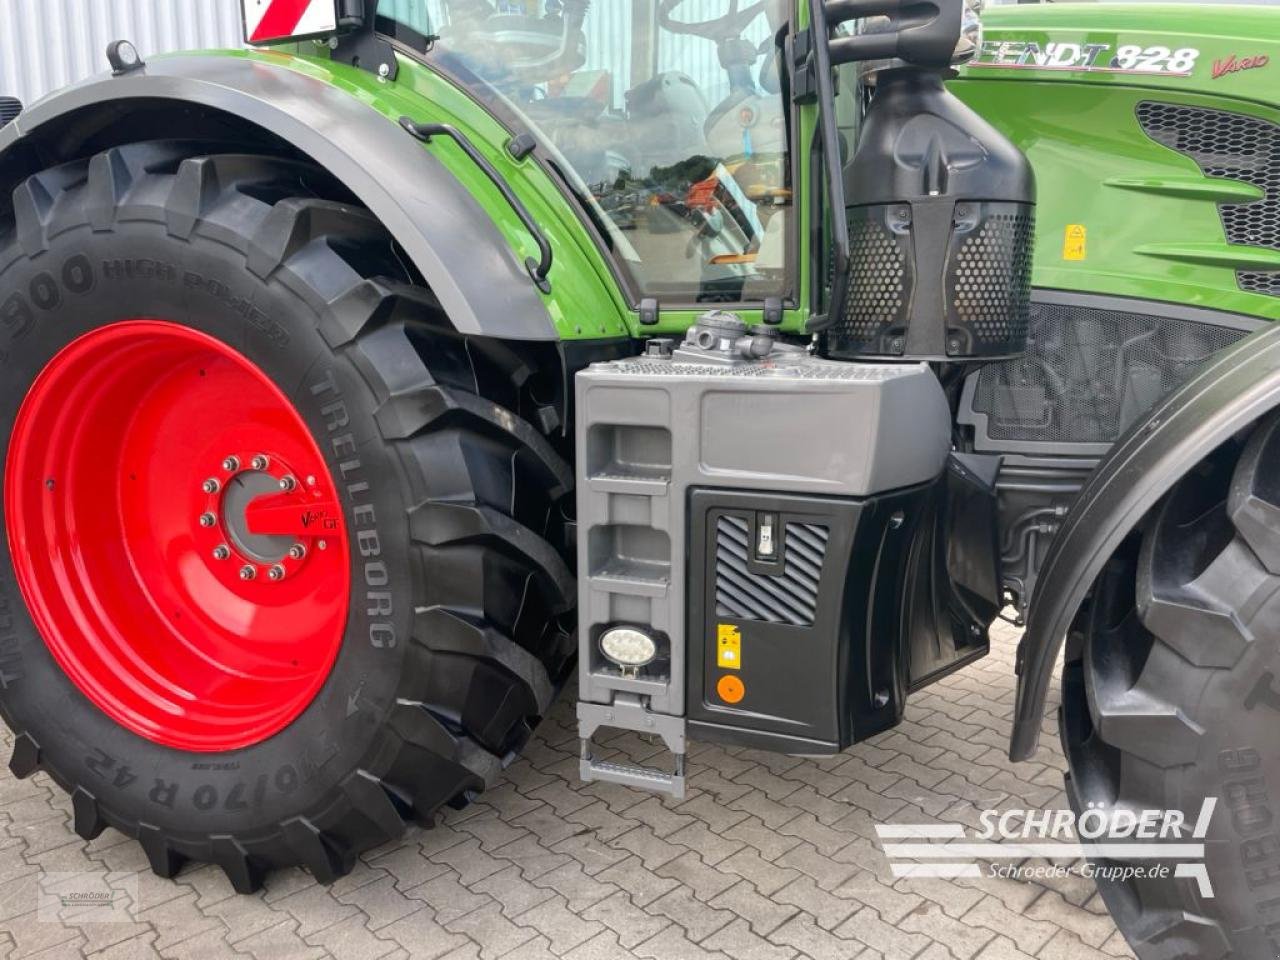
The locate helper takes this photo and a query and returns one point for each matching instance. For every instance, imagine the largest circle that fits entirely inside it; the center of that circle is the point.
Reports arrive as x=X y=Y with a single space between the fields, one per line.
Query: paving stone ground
x=768 y=857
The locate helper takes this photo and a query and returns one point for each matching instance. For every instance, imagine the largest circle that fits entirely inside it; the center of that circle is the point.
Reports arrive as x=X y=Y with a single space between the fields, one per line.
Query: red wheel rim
x=176 y=536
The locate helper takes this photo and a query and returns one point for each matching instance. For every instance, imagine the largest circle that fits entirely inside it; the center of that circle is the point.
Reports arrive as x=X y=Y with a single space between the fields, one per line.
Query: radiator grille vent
x=1088 y=374
x=1234 y=147
x=791 y=597
x=9 y=110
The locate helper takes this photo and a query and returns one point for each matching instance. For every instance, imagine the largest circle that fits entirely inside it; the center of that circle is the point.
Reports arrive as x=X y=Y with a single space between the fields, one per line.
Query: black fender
x=480 y=280
x=1238 y=387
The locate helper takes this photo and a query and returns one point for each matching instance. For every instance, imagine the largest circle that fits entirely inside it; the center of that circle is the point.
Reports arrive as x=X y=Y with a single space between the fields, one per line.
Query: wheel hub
x=180 y=572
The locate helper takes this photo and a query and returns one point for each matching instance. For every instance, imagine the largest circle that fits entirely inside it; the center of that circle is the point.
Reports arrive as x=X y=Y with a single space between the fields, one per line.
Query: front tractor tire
x=1171 y=695
x=278 y=575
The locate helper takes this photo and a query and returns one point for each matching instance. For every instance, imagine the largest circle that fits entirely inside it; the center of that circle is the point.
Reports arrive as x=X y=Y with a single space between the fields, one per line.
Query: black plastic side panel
x=478 y=277
x=821 y=658
x=952 y=588
x=1237 y=388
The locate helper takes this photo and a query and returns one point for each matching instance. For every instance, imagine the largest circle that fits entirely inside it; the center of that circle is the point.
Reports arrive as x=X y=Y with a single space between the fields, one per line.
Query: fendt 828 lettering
x=736 y=364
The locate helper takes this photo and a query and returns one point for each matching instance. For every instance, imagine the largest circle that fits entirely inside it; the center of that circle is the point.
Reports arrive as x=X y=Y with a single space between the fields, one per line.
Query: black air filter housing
x=941 y=229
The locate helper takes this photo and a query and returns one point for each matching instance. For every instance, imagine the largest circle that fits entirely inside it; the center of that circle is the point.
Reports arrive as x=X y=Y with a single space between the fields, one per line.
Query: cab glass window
x=668 y=114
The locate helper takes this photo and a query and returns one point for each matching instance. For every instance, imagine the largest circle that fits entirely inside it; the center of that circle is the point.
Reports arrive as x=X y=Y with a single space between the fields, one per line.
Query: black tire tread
x=442 y=396
x=1171 y=611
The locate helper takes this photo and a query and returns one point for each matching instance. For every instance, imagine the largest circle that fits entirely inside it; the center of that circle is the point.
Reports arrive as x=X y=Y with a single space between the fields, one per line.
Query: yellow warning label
x=1074 y=242
x=728 y=646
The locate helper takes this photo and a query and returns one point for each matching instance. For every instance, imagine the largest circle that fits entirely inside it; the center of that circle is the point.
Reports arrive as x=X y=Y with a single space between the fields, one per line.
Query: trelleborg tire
x=248 y=735
x=1171 y=695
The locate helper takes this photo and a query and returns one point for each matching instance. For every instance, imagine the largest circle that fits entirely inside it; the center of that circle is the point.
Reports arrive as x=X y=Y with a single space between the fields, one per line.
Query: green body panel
x=587 y=300
x=1152 y=225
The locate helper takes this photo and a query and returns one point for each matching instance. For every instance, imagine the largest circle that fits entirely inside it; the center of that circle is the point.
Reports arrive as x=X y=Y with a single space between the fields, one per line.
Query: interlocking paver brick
x=558 y=923
x=866 y=927
x=600 y=820
x=759 y=805
x=447 y=898
x=649 y=847
x=629 y=923
x=210 y=945
x=696 y=918
x=673 y=944
x=827 y=909
x=642 y=884
x=574 y=884
x=409 y=867
x=892 y=905
x=711 y=847
x=739 y=941
x=769 y=843
x=422 y=936
x=763 y=914
x=495 y=934
x=590 y=853
x=280 y=942
x=548 y=826
x=352 y=940
x=1026 y=932
x=961 y=939
x=1065 y=945
x=810 y=939
x=826 y=872
x=1092 y=928
x=661 y=820
x=491 y=831
x=710 y=811
x=690 y=871
x=531 y=857
x=603 y=946
x=764 y=876
x=512 y=891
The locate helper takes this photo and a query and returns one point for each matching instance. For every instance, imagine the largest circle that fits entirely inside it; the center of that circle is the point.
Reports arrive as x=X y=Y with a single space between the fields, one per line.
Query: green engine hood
x=1222 y=50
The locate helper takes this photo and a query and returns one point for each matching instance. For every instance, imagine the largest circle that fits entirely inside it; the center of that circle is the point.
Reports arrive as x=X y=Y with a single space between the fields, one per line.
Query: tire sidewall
x=84 y=281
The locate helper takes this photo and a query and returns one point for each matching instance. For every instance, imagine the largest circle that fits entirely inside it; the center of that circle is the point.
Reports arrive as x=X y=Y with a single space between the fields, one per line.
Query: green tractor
x=359 y=387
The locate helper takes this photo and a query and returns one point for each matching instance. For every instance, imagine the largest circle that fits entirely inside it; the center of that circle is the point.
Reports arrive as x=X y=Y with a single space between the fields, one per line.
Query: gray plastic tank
x=729 y=408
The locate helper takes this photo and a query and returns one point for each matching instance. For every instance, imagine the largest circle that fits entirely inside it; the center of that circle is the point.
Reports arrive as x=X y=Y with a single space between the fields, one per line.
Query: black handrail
x=538 y=269
x=828 y=131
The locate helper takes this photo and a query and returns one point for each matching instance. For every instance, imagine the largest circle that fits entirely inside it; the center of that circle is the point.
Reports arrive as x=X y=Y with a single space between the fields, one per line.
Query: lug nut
x=276 y=572
x=221 y=552
x=211 y=486
x=297 y=552
x=207 y=519
x=287 y=483
x=231 y=464
x=248 y=573
x=259 y=462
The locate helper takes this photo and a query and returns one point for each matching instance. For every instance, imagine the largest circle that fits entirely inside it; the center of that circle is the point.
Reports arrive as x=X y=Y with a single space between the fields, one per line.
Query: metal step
x=627 y=712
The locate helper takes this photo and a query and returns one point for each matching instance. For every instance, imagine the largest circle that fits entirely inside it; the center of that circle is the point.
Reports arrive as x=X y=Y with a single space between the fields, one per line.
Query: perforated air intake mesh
x=791 y=597
x=991 y=279
x=877 y=274
x=1235 y=147
x=1088 y=374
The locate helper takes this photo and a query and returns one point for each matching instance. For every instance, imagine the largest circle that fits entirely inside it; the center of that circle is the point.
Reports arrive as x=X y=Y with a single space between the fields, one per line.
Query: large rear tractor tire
x=1171 y=695
x=278 y=573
